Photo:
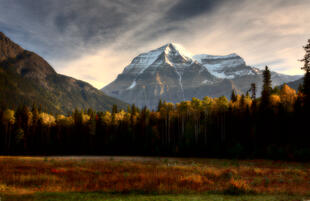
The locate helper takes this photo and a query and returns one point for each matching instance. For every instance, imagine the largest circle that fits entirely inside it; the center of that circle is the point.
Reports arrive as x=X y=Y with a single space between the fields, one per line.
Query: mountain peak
x=176 y=48
x=2 y=35
x=8 y=48
x=170 y=53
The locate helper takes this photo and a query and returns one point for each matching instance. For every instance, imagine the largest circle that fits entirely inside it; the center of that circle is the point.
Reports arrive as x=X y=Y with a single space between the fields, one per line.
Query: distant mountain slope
x=171 y=73
x=26 y=78
x=295 y=84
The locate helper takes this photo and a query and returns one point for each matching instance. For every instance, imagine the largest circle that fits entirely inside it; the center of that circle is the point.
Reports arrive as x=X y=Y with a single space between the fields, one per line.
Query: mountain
x=295 y=84
x=165 y=73
x=172 y=74
x=26 y=78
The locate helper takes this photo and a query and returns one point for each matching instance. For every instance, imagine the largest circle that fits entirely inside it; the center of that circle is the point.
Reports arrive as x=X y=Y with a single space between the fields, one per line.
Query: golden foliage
x=107 y=118
x=8 y=116
x=120 y=116
x=288 y=95
x=47 y=119
x=85 y=118
x=275 y=99
x=64 y=121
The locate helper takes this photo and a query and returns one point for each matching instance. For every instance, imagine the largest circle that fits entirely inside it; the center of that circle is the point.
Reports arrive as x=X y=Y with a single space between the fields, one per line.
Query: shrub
x=229 y=174
x=237 y=187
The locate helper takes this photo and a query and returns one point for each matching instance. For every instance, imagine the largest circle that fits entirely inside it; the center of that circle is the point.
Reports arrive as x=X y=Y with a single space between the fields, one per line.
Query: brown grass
x=37 y=174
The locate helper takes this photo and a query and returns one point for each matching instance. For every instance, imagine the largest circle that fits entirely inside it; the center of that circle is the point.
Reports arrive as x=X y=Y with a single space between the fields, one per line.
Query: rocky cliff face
x=8 y=49
x=166 y=73
x=172 y=74
x=26 y=78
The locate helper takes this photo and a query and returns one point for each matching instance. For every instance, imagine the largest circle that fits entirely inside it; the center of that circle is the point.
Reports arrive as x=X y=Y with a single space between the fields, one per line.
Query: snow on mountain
x=170 y=54
x=172 y=74
x=174 y=54
x=229 y=66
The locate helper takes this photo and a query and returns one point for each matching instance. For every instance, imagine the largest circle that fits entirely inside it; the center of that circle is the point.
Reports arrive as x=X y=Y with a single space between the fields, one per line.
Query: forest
x=274 y=126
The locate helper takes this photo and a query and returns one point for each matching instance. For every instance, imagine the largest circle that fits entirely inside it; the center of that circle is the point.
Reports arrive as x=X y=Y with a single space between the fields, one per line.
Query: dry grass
x=151 y=175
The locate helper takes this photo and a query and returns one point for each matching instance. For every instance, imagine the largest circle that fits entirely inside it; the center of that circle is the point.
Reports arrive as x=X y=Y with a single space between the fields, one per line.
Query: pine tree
x=306 y=68
x=247 y=95
x=267 y=89
x=114 y=109
x=242 y=101
x=233 y=96
x=160 y=104
x=253 y=91
x=133 y=109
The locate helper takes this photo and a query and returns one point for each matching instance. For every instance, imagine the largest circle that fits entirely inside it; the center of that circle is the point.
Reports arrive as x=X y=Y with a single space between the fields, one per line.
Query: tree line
x=272 y=126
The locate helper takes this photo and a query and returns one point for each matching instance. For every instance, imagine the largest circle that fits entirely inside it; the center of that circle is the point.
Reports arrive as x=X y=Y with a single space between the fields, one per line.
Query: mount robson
x=26 y=79
x=171 y=74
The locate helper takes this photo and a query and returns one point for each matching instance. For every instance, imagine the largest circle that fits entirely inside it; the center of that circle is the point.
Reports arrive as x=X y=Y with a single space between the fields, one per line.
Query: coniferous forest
x=275 y=126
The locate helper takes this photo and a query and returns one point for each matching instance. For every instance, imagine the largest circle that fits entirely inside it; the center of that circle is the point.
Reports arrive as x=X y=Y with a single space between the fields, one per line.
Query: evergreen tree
x=114 y=109
x=267 y=89
x=306 y=68
x=276 y=90
x=160 y=104
x=242 y=101
x=300 y=88
x=133 y=109
x=233 y=96
x=253 y=91
x=247 y=95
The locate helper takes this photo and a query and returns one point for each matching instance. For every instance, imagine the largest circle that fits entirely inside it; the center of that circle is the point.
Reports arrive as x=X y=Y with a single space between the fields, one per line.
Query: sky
x=94 y=40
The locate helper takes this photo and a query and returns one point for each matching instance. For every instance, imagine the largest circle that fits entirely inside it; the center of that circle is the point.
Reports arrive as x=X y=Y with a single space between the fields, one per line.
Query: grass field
x=133 y=197
x=143 y=178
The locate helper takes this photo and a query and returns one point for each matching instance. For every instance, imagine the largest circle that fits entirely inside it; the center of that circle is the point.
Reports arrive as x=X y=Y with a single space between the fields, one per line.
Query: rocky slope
x=295 y=84
x=26 y=78
x=171 y=73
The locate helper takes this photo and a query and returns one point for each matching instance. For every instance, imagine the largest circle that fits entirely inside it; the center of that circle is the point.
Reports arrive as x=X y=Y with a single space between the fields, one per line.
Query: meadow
x=110 y=178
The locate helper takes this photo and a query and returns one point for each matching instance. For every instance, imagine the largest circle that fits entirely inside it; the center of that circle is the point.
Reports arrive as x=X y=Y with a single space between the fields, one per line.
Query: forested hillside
x=26 y=78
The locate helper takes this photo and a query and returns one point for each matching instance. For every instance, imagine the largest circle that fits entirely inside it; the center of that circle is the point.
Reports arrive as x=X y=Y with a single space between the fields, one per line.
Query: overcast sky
x=93 y=40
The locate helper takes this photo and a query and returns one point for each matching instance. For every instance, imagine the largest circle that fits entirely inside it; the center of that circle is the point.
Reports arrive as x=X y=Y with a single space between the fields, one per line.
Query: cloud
x=185 y=9
x=67 y=28
x=94 y=40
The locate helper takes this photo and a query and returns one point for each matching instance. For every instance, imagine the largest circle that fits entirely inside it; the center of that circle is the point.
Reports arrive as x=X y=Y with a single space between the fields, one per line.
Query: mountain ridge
x=171 y=73
x=26 y=78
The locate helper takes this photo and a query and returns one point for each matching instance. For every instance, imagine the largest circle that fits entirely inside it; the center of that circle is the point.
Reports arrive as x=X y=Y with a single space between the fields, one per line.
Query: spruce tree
x=267 y=89
x=242 y=101
x=160 y=104
x=114 y=109
x=233 y=96
x=306 y=68
x=253 y=91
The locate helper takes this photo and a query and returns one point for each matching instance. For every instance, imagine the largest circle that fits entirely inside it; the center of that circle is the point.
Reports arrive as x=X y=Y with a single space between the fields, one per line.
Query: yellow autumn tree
x=288 y=95
x=120 y=116
x=47 y=119
x=85 y=118
x=8 y=116
x=64 y=121
x=274 y=99
x=107 y=118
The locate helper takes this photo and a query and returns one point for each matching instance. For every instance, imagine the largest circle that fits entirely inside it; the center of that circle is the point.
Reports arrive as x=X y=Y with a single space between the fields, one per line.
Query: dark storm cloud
x=68 y=28
x=186 y=9
x=62 y=25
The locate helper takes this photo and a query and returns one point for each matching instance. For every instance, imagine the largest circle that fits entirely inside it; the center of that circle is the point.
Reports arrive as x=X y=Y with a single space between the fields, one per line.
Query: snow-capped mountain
x=230 y=66
x=171 y=73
